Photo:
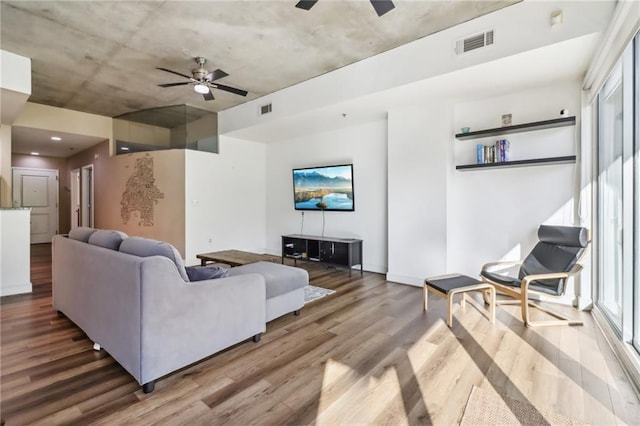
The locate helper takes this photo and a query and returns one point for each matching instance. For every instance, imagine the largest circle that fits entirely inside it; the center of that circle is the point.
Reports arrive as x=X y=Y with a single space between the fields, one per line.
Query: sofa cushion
x=279 y=279
x=145 y=247
x=107 y=238
x=200 y=273
x=81 y=233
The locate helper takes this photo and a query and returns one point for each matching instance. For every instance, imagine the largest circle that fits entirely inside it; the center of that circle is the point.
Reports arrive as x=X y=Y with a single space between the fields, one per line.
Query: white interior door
x=75 y=198
x=38 y=189
x=86 y=188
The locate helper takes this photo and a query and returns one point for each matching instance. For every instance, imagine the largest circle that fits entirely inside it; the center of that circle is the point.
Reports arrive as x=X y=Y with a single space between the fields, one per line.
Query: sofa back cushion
x=107 y=238
x=81 y=233
x=145 y=247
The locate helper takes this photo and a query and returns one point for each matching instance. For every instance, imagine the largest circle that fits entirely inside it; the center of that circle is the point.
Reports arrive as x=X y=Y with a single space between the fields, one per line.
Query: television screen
x=324 y=188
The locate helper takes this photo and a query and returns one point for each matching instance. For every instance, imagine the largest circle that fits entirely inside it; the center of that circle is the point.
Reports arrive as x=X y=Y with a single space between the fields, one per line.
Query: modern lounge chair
x=544 y=271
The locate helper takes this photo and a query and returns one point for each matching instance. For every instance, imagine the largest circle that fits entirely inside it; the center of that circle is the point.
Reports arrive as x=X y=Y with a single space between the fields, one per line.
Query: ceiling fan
x=381 y=6
x=203 y=80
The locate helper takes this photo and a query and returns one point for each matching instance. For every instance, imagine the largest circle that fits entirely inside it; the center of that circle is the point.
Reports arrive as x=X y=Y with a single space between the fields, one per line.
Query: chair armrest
x=489 y=267
x=552 y=275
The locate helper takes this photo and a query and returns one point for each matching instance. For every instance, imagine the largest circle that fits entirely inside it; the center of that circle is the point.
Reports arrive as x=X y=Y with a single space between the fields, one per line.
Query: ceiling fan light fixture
x=201 y=88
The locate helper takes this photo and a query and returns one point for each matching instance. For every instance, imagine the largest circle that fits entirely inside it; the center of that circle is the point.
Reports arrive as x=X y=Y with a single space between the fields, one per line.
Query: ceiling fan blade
x=230 y=89
x=173 y=84
x=175 y=72
x=306 y=4
x=214 y=75
x=208 y=96
x=382 y=6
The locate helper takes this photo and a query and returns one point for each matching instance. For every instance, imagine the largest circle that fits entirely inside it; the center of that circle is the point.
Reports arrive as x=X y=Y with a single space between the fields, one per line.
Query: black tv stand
x=345 y=252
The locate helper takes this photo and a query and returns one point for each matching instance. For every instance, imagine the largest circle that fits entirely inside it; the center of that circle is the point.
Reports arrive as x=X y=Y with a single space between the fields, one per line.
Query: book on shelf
x=496 y=153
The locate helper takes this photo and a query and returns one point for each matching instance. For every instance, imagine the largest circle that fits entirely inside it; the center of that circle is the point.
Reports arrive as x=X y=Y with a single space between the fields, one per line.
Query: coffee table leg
x=450 y=309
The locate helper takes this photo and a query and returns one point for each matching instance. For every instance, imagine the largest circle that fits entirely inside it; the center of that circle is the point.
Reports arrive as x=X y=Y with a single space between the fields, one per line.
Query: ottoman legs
x=486 y=289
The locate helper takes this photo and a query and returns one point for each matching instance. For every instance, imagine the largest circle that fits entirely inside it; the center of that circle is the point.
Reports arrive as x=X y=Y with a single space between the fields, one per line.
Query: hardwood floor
x=365 y=355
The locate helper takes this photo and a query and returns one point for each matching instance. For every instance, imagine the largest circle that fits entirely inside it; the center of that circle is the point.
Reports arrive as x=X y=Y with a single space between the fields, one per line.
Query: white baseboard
x=15 y=289
x=404 y=279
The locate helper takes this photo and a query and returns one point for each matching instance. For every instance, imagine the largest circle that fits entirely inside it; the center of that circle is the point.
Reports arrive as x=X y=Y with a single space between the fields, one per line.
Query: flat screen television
x=327 y=188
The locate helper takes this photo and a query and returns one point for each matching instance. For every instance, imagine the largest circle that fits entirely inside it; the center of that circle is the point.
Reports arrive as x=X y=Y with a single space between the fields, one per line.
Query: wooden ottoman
x=447 y=286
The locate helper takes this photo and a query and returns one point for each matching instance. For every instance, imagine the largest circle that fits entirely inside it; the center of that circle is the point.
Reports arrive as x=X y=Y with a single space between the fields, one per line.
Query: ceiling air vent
x=474 y=42
x=264 y=109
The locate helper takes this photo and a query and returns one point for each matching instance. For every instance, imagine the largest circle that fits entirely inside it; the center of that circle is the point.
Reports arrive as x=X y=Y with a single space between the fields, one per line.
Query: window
x=618 y=290
x=636 y=197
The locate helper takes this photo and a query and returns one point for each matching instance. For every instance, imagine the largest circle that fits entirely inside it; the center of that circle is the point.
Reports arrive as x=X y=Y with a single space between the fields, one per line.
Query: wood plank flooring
x=365 y=355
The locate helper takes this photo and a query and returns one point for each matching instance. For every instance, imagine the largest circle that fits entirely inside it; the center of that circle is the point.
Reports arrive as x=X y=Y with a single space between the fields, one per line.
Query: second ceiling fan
x=381 y=6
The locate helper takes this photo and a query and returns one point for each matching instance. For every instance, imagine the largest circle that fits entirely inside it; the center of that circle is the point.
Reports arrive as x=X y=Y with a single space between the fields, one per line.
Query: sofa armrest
x=182 y=323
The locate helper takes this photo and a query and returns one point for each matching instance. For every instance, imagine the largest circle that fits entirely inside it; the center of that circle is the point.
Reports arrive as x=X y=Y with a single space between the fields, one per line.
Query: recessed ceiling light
x=56 y=138
x=35 y=153
x=124 y=148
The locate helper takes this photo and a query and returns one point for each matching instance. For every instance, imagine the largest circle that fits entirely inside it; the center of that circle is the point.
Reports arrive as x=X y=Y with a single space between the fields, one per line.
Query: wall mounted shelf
x=521 y=163
x=518 y=128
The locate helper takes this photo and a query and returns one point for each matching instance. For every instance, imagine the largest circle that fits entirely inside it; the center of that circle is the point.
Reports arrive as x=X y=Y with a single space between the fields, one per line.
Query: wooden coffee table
x=235 y=257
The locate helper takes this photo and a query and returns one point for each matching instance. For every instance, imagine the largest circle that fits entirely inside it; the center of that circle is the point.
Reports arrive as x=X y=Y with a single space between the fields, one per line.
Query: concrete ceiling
x=100 y=57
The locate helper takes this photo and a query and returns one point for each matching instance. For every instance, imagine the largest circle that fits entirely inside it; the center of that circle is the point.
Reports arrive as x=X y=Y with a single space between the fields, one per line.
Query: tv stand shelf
x=346 y=252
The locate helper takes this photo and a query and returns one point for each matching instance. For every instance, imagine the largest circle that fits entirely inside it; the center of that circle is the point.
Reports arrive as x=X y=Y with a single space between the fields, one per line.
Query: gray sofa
x=146 y=313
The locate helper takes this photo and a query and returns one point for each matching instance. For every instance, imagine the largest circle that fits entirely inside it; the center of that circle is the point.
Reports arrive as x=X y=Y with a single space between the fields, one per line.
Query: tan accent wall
x=5 y=166
x=110 y=182
x=47 y=117
x=64 y=190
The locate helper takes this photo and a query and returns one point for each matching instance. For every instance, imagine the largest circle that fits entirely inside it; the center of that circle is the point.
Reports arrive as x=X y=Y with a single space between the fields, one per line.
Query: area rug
x=488 y=408
x=312 y=293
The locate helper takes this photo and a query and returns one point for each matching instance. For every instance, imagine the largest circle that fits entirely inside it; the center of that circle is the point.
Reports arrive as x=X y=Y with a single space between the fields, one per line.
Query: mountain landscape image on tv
x=324 y=188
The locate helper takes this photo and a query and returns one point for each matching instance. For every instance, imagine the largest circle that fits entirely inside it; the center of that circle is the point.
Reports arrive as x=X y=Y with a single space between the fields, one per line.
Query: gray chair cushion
x=559 y=249
x=107 y=238
x=201 y=273
x=279 y=279
x=567 y=236
x=145 y=247
x=81 y=233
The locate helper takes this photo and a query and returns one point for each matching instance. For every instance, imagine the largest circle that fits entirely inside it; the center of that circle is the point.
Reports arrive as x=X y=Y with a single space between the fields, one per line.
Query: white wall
x=419 y=140
x=15 y=72
x=14 y=251
x=365 y=146
x=225 y=198
x=442 y=220
x=494 y=213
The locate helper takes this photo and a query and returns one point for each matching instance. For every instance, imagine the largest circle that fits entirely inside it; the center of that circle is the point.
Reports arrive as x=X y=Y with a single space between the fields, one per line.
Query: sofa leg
x=60 y=314
x=96 y=347
x=256 y=338
x=148 y=387
x=296 y=312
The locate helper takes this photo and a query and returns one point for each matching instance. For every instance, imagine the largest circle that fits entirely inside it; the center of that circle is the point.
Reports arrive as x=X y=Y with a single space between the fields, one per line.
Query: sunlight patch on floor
x=369 y=397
